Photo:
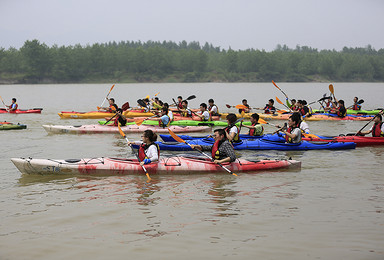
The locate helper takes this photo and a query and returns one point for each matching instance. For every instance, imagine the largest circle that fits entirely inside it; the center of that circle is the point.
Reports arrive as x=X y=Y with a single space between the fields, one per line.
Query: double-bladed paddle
x=124 y=107
x=106 y=98
x=279 y=89
x=142 y=166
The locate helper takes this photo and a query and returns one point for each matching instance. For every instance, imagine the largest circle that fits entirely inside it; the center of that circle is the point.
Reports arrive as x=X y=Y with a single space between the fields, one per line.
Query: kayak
x=183 y=123
x=355 y=112
x=259 y=144
x=104 y=129
x=99 y=114
x=22 y=111
x=10 y=126
x=318 y=117
x=122 y=166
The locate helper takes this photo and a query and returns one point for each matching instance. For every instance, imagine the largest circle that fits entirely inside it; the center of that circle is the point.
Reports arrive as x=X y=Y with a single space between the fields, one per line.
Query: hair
x=150 y=135
x=231 y=118
x=113 y=100
x=156 y=98
x=203 y=105
x=165 y=109
x=341 y=102
x=357 y=98
x=293 y=100
x=146 y=100
x=244 y=100
x=211 y=100
x=161 y=103
x=272 y=101
x=185 y=101
x=295 y=119
x=255 y=116
x=380 y=117
x=14 y=99
x=180 y=97
x=304 y=102
x=166 y=105
x=221 y=132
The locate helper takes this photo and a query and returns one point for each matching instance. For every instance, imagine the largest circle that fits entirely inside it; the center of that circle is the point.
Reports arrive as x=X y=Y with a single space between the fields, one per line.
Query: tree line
x=129 y=61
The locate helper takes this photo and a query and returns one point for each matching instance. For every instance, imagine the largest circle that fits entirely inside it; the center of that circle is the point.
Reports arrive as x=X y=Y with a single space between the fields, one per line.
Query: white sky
x=239 y=24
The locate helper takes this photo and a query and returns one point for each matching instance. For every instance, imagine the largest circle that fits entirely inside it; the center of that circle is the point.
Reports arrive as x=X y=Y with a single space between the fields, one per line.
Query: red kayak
x=359 y=140
x=22 y=111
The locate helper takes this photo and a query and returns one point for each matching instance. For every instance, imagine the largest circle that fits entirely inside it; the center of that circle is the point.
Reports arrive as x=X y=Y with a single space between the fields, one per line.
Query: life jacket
x=341 y=114
x=210 y=108
x=186 y=114
x=252 y=131
x=289 y=130
x=14 y=106
x=376 y=131
x=144 y=147
x=268 y=109
x=215 y=149
x=118 y=119
x=179 y=105
x=236 y=139
x=162 y=124
x=294 y=108
x=356 y=106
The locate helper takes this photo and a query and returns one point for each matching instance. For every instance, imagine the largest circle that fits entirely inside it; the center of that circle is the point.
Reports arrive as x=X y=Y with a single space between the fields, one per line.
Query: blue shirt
x=165 y=119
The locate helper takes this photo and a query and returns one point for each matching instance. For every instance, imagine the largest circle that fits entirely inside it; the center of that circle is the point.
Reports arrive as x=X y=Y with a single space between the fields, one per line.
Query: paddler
x=178 y=104
x=170 y=113
x=112 y=106
x=377 y=129
x=157 y=104
x=293 y=105
x=222 y=150
x=164 y=119
x=302 y=124
x=303 y=108
x=247 y=109
x=256 y=129
x=185 y=110
x=13 y=105
x=232 y=131
x=340 y=110
x=204 y=113
x=149 y=151
x=356 y=105
x=212 y=108
x=147 y=107
x=120 y=118
x=269 y=108
x=293 y=133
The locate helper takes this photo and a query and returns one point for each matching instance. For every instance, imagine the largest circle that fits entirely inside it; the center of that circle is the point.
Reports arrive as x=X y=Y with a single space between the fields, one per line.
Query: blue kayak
x=260 y=144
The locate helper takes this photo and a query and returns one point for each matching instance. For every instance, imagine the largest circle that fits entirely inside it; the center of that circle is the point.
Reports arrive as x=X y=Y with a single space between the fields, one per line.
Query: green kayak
x=186 y=123
x=12 y=126
x=354 y=112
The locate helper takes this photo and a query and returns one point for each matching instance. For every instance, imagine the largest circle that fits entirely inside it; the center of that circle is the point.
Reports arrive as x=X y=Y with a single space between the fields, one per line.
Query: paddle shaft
x=279 y=89
x=106 y=98
x=3 y=102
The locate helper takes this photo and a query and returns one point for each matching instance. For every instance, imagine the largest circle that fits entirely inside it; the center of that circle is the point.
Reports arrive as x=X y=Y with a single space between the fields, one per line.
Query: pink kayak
x=166 y=165
x=98 y=129
x=22 y=111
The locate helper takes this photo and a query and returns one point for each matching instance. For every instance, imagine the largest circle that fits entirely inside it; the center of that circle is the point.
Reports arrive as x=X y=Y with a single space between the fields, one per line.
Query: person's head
x=355 y=99
x=184 y=103
x=179 y=98
x=149 y=136
x=156 y=99
x=378 y=118
x=164 y=111
x=296 y=116
x=244 y=102
x=341 y=103
x=293 y=101
x=211 y=101
x=146 y=100
x=299 y=103
x=13 y=100
x=304 y=102
x=219 y=134
x=203 y=107
x=160 y=103
x=293 y=121
x=231 y=118
x=111 y=101
x=119 y=111
x=271 y=102
x=166 y=105
x=254 y=118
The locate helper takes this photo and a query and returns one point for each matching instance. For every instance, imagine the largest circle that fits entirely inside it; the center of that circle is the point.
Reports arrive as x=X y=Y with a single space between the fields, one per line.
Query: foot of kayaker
x=149 y=151
x=221 y=151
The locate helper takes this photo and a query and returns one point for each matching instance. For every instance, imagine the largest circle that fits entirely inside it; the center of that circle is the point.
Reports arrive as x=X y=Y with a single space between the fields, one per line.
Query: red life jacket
x=289 y=130
x=179 y=105
x=341 y=114
x=142 y=149
x=356 y=107
x=376 y=131
x=252 y=131
x=215 y=150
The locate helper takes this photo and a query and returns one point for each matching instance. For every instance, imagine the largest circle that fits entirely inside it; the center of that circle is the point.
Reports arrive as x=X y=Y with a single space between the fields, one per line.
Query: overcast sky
x=236 y=24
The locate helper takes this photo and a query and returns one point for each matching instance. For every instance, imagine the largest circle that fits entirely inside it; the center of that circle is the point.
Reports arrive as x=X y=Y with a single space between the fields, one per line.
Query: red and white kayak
x=166 y=165
x=359 y=140
x=108 y=129
x=21 y=111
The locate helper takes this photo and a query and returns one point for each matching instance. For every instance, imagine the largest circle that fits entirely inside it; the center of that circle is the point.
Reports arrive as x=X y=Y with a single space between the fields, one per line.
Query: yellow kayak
x=316 y=117
x=101 y=114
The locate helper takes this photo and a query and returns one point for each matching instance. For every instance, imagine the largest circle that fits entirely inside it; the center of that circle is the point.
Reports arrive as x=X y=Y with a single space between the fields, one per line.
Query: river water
x=333 y=208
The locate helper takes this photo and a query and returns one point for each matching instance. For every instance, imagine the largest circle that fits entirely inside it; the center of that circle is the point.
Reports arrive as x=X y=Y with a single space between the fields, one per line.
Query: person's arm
x=227 y=149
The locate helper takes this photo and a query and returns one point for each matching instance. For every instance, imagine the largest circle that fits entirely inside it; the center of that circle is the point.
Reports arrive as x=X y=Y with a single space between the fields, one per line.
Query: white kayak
x=107 y=129
x=166 y=165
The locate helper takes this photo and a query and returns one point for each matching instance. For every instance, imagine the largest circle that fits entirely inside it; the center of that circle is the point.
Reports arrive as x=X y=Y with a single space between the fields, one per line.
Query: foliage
x=127 y=61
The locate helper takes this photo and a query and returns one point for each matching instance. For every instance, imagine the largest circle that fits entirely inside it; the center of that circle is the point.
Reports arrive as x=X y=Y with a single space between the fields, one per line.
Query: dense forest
x=168 y=61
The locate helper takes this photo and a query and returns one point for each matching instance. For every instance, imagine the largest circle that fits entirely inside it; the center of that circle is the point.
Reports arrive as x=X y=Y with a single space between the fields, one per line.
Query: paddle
x=262 y=121
x=237 y=106
x=368 y=122
x=279 y=101
x=320 y=100
x=142 y=166
x=332 y=90
x=3 y=102
x=106 y=98
x=178 y=139
x=140 y=121
x=279 y=89
x=124 y=107
x=191 y=97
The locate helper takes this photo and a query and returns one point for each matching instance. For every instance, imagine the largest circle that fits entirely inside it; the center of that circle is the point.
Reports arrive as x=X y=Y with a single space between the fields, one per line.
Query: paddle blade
x=262 y=121
x=275 y=85
x=228 y=106
x=331 y=89
x=310 y=136
x=361 y=101
x=241 y=107
x=121 y=131
x=157 y=94
x=141 y=103
x=125 y=106
x=191 y=97
x=279 y=101
x=178 y=139
x=139 y=122
x=111 y=88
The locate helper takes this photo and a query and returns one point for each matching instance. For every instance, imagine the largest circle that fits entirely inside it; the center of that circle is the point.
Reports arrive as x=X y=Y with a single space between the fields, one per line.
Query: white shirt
x=304 y=126
x=205 y=115
x=296 y=132
x=170 y=114
x=214 y=109
x=151 y=152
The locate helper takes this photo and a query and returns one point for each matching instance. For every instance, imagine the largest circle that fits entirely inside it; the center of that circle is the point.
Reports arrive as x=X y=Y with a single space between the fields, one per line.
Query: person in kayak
x=293 y=133
x=212 y=108
x=157 y=104
x=205 y=116
x=185 y=111
x=293 y=105
x=13 y=106
x=303 y=108
x=149 y=151
x=247 y=109
x=256 y=129
x=232 y=131
x=112 y=106
x=222 y=150
x=302 y=124
x=340 y=110
x=164 y=120
x=147 y=107
x=120 y=118
x=377 y=129
x=269 y=108
x=170 y=113
x=356 y=105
